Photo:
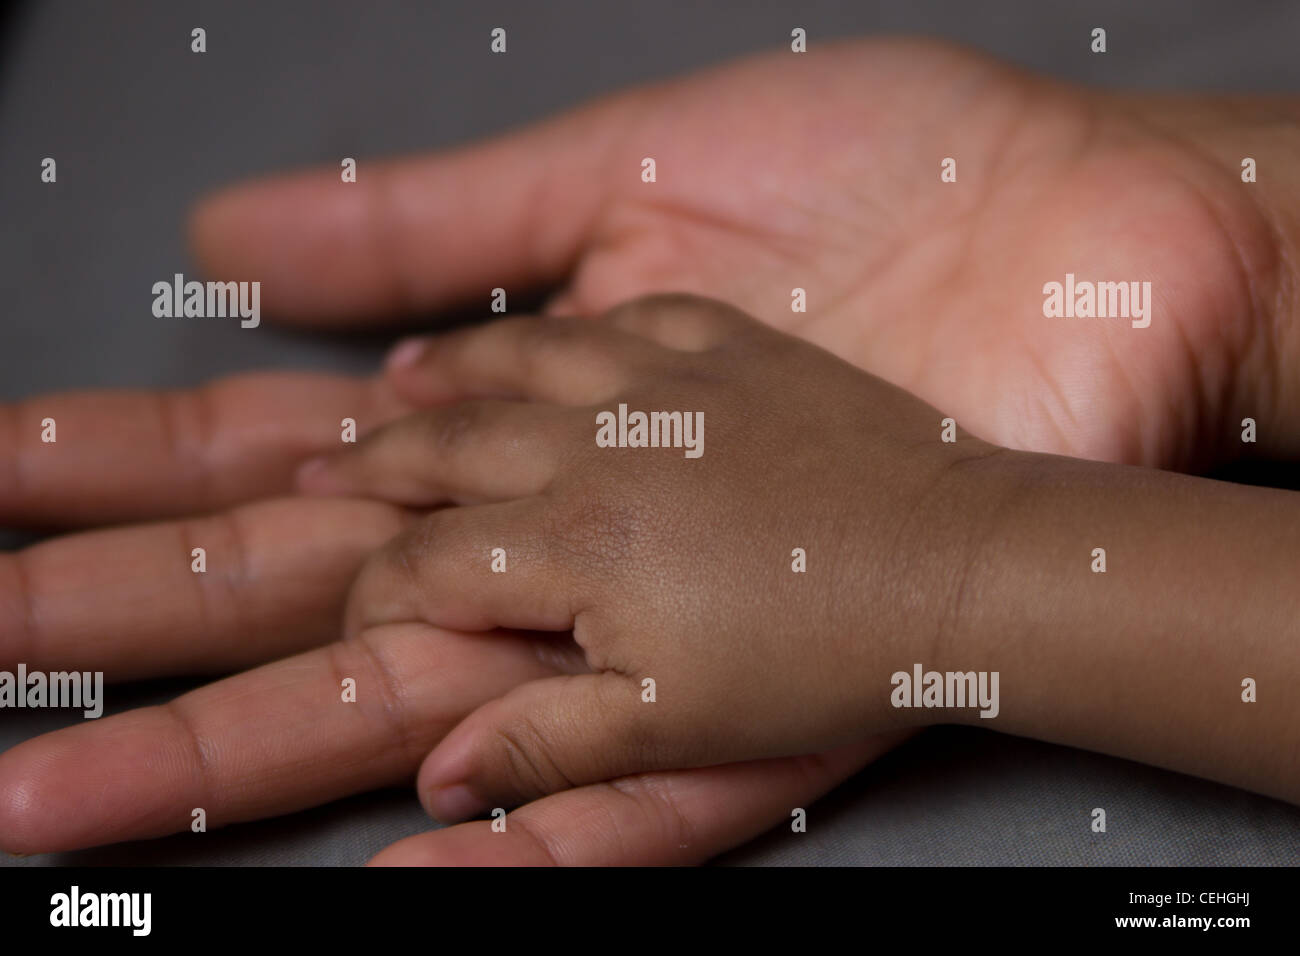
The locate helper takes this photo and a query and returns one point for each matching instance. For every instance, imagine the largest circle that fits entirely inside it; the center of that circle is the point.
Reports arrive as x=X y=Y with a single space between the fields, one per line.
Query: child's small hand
x=681 y=565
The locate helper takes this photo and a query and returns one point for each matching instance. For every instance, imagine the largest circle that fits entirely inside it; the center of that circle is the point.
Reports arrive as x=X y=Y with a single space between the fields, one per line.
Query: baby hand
x=746 y=536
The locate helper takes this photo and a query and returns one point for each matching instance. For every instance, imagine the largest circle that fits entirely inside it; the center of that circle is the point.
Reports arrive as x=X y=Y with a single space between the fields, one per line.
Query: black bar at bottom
x=670 y=907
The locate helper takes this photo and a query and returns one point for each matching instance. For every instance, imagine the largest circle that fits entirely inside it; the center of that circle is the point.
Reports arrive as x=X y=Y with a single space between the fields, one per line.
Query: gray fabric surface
x=140 y=127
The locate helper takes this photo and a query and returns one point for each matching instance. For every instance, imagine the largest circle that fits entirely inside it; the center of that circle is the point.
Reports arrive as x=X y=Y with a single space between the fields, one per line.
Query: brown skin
x=828 y=180
x=960 y=556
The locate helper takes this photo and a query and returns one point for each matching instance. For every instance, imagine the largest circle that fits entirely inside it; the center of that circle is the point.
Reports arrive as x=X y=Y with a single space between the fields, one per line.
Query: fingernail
x=455 y=804
x=406 y=353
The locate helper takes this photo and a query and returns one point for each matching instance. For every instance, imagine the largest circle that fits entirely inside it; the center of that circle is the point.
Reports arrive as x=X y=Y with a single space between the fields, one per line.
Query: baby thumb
x=543 y=737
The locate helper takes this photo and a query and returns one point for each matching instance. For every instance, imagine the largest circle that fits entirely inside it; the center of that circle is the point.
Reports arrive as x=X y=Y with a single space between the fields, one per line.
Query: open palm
x=816 y=171
x=821 y=172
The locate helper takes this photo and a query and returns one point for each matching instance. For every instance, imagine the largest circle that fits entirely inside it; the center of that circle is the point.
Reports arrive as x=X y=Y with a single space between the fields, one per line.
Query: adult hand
x=817 y=171
x=821 y=171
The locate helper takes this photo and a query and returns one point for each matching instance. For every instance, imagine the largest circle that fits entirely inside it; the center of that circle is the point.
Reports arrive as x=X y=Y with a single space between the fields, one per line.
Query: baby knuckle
x=599 y=531
x=524 y=748
x=449 y=428
x=543 y=338
x=437 y=533
x=575 y=344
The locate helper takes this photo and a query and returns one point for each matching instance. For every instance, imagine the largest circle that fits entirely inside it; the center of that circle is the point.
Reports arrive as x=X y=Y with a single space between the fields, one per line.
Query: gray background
x=140 y=127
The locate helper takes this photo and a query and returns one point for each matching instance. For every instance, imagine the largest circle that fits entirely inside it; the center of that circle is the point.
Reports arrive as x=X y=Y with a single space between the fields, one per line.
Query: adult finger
x=422 y=233
x=265 y=742
x=130 y=455
x=205 y=595
x=674 y=818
